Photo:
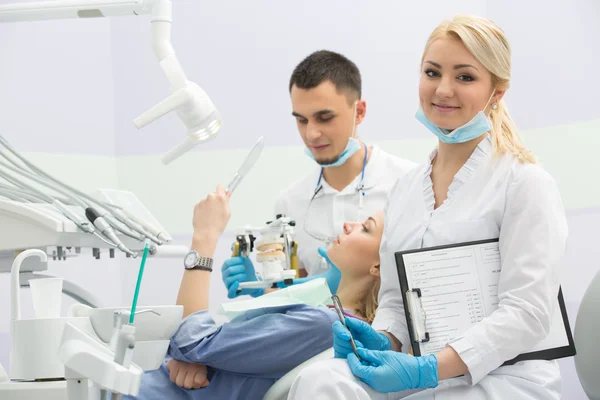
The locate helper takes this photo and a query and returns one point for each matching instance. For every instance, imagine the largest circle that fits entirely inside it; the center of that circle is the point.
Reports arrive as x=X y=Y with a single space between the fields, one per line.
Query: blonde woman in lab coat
x=479 y=183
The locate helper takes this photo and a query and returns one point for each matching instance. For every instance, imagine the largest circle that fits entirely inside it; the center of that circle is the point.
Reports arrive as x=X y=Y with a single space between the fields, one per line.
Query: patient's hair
x=370 y=302
x=325 y=65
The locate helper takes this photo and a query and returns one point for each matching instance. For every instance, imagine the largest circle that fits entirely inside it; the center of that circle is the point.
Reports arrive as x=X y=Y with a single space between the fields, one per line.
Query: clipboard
x=486 y=255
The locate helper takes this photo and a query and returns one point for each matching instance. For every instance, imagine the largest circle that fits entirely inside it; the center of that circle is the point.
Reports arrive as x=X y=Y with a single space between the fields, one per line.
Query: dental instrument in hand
x=337 y=304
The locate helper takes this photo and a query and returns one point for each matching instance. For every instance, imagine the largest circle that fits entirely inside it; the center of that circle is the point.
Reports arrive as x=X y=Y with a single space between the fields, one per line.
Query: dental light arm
x=192 y=105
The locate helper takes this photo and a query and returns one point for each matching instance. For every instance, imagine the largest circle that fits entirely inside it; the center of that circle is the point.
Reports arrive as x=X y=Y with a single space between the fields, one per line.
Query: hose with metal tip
x=63 y=200
x=30 y=196
x=55 y=187
x=42 y=182
x=19 y=195
x=106 y=230
x=163 y=236
x=66 y=211
x=22 y=185
x=120 y=216
x=115 y=224
x=39 y=171
x=3 y=154
x=11 y=195
x=150 y=233
x=81 y=223
x=126 y=230
x=99 y=236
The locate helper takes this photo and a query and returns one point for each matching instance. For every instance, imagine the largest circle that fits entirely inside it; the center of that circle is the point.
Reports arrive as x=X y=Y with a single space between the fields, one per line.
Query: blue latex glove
x=332 y=276
x=391 y=371
x=236 y=270
x=362 y=333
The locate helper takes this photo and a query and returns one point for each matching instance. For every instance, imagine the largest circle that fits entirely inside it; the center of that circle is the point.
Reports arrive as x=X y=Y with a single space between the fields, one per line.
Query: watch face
x=190 y=260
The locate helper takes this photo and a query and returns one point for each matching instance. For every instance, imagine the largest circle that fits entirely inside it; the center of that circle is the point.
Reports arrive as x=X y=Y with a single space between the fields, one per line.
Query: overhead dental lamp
x=194 y=108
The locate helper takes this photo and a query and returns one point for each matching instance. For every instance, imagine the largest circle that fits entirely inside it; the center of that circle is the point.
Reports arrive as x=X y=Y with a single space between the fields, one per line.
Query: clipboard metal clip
x=419 y=322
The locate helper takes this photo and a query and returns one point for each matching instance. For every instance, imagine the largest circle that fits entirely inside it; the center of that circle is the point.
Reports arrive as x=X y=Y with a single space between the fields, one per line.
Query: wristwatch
x=193 y=260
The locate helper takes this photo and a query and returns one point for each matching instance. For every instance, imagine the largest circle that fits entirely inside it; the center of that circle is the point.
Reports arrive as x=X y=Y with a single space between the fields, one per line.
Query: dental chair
x=587 y=326
x=280 y=389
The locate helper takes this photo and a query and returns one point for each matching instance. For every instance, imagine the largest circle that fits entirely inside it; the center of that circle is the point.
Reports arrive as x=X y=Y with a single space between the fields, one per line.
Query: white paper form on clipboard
x=448 y=289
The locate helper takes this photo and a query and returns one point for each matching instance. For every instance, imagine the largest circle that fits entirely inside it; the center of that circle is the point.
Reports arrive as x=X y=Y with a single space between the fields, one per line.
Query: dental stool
x=280 y=389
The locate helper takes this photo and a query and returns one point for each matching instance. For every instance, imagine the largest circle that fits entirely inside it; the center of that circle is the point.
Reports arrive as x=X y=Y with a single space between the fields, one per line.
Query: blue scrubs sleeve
x=264 y=343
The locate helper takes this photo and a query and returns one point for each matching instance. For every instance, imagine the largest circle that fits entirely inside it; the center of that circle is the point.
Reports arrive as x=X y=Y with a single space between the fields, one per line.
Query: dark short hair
x=325 y=65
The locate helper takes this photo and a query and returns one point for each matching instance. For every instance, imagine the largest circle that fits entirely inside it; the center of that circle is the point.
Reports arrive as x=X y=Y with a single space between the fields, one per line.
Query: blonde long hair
x=489 y=45
x=369 y=303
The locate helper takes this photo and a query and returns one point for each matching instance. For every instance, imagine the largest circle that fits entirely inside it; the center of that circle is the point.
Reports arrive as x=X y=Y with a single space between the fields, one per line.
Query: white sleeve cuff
x=479 y=364
x=389 y=321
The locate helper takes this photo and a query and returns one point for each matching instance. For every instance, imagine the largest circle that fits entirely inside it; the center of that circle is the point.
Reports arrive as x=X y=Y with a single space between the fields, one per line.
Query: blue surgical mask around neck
x=352 y=146
x=477 y=126
x=332 y=276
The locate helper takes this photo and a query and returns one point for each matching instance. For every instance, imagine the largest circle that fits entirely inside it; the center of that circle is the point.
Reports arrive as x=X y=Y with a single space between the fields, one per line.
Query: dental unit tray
x=34 y=225
x=41 y=226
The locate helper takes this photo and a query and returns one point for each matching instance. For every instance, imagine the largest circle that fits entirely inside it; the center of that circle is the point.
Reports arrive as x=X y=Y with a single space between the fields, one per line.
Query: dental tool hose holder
x=35 y=342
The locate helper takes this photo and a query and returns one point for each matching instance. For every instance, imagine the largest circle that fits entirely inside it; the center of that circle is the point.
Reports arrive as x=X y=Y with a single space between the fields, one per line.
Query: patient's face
x=356 y=251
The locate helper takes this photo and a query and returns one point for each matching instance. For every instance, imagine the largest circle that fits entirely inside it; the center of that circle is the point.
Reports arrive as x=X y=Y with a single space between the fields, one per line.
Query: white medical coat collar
x=480 y=156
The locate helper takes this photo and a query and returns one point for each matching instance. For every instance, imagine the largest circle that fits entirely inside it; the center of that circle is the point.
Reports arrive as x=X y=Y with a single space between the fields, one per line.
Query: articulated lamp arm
x=192 y=105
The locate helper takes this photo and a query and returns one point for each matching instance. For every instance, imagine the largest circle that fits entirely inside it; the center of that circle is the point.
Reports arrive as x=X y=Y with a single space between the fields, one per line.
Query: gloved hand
x=332 y=276
x=236 y=270
x=362 y=333
x=391 y=371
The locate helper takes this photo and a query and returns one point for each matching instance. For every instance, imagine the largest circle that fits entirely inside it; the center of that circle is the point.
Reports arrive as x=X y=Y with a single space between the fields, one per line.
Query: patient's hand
x=188 y=376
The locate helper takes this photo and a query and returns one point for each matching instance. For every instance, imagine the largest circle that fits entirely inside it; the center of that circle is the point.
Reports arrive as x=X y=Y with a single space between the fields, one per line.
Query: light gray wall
x=56 y=87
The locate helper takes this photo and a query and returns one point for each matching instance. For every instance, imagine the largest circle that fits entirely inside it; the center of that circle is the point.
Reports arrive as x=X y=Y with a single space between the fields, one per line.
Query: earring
x=495 y=106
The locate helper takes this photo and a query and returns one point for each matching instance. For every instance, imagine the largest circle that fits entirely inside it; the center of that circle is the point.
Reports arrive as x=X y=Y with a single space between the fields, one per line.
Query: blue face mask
x=476 y=127
x=352 y=147
x=332 y=276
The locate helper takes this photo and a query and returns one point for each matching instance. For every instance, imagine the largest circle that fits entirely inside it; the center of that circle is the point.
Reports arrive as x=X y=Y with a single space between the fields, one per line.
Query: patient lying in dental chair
x=243 y=358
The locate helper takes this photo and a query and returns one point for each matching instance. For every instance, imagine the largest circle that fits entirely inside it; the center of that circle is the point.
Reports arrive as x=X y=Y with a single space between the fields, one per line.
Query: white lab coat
x=331 y=208
x=490 y=197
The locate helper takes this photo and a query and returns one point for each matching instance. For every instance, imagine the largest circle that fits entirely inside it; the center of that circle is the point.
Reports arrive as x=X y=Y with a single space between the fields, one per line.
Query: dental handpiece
x=47 y=180
x=107 y=230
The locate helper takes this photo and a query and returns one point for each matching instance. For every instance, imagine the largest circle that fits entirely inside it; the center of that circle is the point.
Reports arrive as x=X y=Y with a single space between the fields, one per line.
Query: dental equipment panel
x=85 y=354
x=55 y=357
x=277 y=252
